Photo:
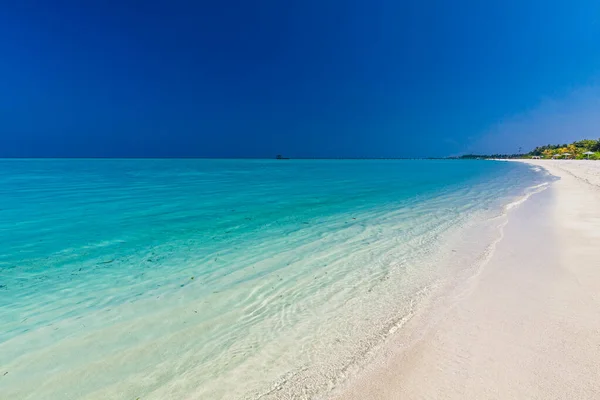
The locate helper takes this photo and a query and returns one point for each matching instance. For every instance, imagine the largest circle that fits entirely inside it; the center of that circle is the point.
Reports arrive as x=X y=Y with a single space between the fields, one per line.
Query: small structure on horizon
x=588 y=153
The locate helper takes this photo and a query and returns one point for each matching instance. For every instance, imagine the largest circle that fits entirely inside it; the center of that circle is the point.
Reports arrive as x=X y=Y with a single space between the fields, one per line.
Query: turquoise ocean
x=228 y=279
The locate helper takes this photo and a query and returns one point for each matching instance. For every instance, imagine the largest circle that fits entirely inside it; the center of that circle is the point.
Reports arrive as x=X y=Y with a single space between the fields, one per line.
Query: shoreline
x=526 y=325
x=393 y=301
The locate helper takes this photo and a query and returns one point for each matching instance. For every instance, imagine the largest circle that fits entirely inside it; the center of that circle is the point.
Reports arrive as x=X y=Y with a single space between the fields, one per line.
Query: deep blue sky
x=377 y=78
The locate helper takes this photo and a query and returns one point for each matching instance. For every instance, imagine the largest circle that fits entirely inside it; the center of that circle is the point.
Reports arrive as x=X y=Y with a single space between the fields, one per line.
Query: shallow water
x=224 y=279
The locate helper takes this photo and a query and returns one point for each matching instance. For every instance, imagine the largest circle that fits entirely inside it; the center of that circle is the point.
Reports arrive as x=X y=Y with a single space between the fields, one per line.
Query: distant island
x=580 y=150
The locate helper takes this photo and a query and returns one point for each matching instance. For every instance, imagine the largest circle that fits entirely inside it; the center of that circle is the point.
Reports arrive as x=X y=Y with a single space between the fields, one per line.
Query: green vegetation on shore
x=574 y=151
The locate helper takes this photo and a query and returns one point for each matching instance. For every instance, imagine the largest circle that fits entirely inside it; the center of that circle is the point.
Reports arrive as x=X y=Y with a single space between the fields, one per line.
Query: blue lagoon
x=228 y=279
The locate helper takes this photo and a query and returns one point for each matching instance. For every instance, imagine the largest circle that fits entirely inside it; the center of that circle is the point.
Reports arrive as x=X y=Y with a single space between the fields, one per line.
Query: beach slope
x=528 y=325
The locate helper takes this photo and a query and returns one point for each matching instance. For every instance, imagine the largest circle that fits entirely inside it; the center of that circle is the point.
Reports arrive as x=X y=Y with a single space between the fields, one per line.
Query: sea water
x=226 y=279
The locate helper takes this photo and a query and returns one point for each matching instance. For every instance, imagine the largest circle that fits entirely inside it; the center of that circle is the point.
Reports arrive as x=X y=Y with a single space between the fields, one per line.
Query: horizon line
x=461 y=157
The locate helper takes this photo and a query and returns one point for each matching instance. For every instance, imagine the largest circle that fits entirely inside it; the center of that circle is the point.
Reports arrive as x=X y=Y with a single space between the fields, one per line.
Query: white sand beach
x=527 y=326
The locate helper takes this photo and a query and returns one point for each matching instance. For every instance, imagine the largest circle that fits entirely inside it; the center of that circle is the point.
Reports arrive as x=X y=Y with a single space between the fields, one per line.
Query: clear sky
x=239 y=78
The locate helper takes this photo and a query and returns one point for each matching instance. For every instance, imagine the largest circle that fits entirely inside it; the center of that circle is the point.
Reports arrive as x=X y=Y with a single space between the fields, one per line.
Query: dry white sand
x=527 y=326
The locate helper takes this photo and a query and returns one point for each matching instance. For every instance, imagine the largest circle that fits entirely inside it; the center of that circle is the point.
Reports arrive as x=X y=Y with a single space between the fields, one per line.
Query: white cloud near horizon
x=573 y=117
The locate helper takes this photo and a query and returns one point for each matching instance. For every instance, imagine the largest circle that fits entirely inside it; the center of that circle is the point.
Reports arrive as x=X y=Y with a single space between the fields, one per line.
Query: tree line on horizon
x=574 y=150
